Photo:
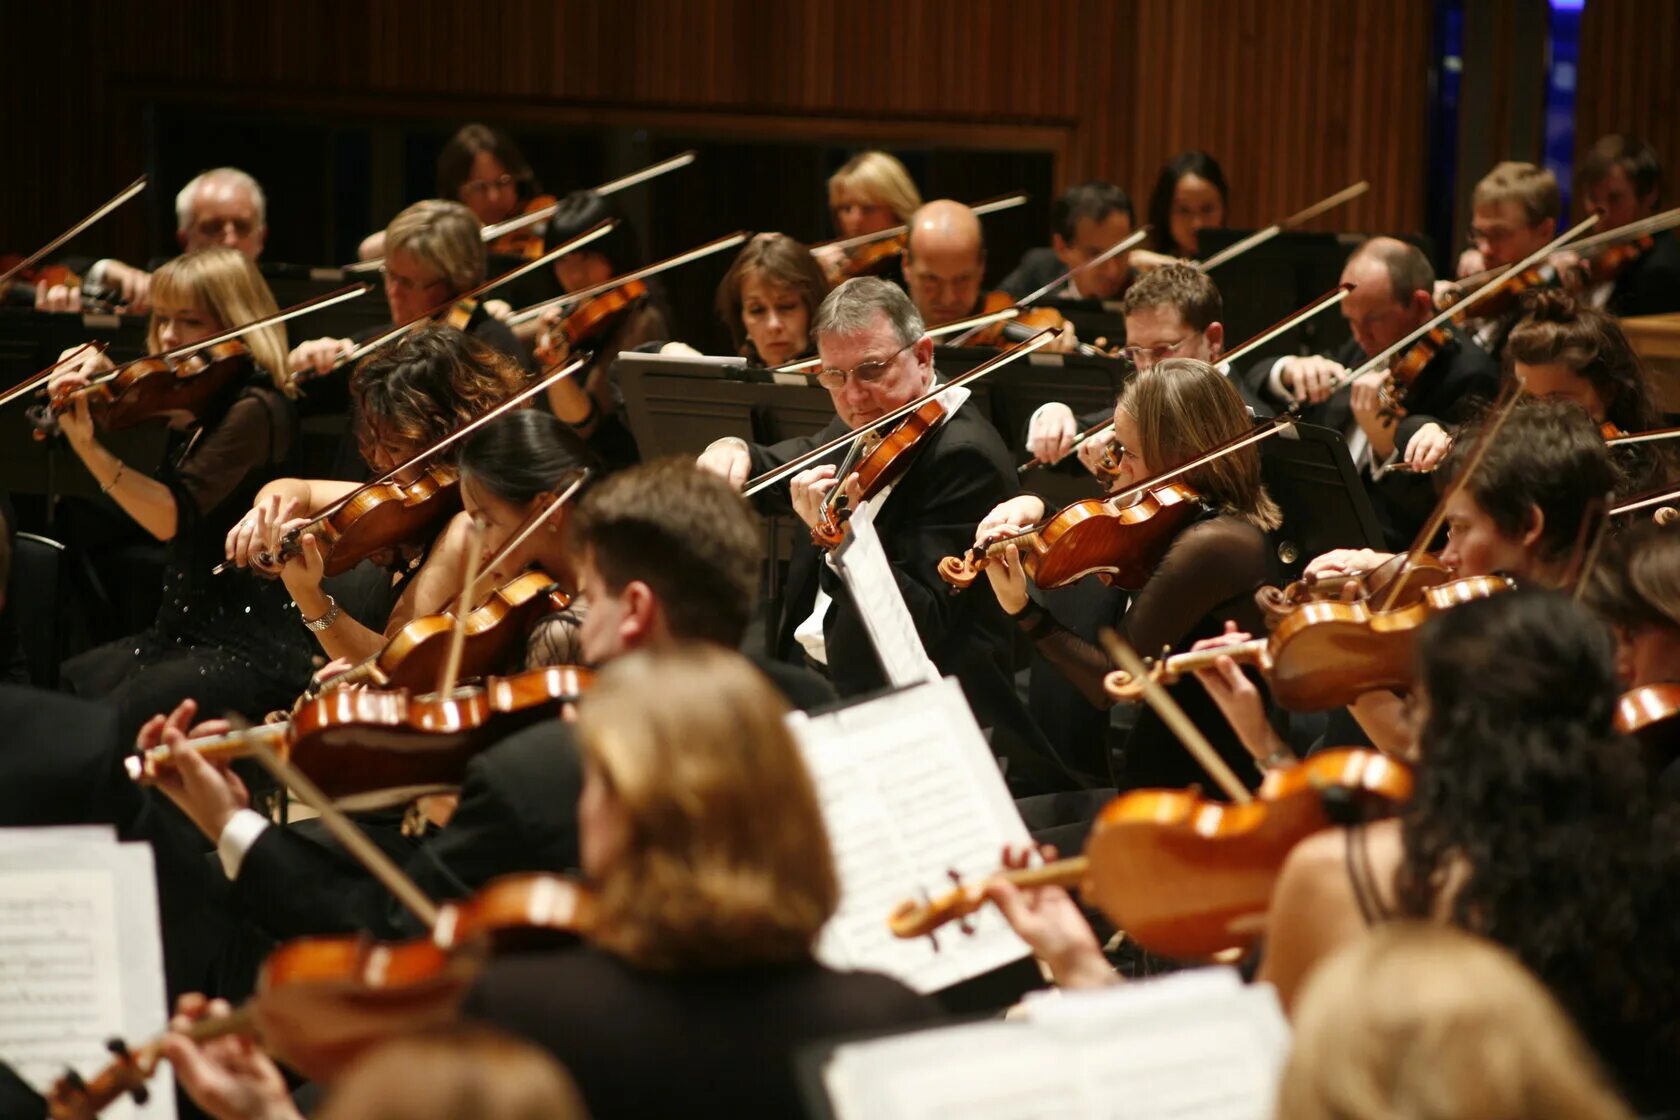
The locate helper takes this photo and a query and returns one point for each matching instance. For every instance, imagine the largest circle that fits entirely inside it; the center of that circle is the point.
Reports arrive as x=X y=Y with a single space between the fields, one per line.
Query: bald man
x=944 y=261
x=1392 y=297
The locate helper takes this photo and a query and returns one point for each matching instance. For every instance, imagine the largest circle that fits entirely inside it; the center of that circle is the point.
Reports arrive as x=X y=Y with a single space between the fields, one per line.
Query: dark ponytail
x=522 y=454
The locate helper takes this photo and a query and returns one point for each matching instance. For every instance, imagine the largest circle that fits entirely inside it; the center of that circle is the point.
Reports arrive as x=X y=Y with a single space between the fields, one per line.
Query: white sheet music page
x=1198 y=1050
x=909 y=792
x=869 y=577
x=80 y=957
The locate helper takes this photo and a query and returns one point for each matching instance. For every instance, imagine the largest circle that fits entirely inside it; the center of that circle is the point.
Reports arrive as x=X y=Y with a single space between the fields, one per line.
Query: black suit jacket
x=518 y=812
x=1037 y=268
x=1650 y=285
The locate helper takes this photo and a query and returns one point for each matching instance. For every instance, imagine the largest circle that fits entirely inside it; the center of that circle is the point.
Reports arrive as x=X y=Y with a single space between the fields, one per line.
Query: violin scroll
x=960 y=572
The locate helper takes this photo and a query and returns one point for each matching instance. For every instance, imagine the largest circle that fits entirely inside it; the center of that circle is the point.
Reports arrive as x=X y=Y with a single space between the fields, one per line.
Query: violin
x=371 y=749
x=1406 y=582
x=322 y=1001
x=411 y=505
x=1605 y=267
x=24 y=278
x=875 y=258
x=1404 y=371
x=1187 y=877
x=591 y=321
x=1121 y=544
x=1648 y=713
x=1326 y=654
x=883 y=463
x=152 y=387
x=526 y=241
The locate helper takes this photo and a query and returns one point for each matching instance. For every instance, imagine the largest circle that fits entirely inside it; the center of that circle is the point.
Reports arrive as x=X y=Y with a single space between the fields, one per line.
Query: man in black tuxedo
x=1392 y=297
x=1085 y=222
x=666 y=553
x=875 y=358
x=1621 y=179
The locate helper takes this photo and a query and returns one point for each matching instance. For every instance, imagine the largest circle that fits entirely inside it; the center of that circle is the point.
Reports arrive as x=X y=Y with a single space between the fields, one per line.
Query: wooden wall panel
x=1296 y=97
x=1630 y=54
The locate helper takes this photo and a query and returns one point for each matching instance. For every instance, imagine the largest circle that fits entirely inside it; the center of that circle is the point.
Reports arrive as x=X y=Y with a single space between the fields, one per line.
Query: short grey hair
x=184 y=200
x=1408 y=269
x=855 y=305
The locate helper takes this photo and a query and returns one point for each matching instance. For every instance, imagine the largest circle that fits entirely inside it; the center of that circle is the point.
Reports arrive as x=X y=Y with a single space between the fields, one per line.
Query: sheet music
x=910 y=791
x=868 y=574
x=1193 y=1051
x=80 y=957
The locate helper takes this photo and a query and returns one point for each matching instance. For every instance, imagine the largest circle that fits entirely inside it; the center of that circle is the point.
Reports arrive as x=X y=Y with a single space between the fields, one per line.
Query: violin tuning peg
x=117 y=1047
x=74 y=1081
x=966 y=924
x=955 y=876
x=139 y=1093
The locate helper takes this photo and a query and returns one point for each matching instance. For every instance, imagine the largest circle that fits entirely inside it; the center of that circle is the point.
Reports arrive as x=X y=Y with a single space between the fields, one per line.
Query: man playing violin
x=1085 y=222
x=875 y=358
x=1391 y=298
x=224 y=206
x=1621 y=180
x=1515 y=208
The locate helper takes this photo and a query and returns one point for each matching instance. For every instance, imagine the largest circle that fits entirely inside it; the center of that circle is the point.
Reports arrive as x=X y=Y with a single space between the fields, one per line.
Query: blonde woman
x=700 y=831
x=871 y=192
x=1423 y=1020
x=1169 y=414
x=231 y=644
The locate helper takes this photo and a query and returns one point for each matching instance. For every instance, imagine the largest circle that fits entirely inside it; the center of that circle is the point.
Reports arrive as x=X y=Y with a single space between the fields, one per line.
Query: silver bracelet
x=316 y=625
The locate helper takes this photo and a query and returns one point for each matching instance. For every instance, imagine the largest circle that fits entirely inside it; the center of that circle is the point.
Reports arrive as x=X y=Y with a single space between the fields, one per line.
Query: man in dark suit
x=666 y=553
x=1621 y=179
x=875 y=358
x=1392 y=297
x=1085 y=222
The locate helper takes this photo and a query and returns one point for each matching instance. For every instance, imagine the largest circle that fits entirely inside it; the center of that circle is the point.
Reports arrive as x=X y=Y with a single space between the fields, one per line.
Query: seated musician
x=232 y=643
x=871 y=192
x=589 y=400
x=434 y=253
x=223 y=206
x=876 y=358
x=1171 y=312
x=1621 y=179
x=1391 y=298
x=1085 y=222
x=664 y=554
x=699 y=830
x=1563 y=348
x=481 y=168
x=1168 y=414
x=511 y=470
x=769 y=298
x=406 y=397
x=1514 y=210
x=1189 y=196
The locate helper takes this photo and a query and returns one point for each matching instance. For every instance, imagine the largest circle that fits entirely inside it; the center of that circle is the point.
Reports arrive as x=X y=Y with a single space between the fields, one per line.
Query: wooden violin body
x=1406 y=581
x=876 y=258
x=590 y=322
x=380 y=517
x=1651 y=714
x=526 y=243
x=1408 y=367
x=1187 y=877
x=1091 y=537
x=153 y=387
x=881 y=466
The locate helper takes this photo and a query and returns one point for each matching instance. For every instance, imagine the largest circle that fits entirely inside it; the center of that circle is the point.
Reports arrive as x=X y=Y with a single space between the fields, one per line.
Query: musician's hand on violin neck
x=335 y=668
x=1008 y=579
x=1237 y=697
x=1427 y=448
x=498 y=309
x=729 y=459
x=1050 y=922
x=228 y=1077
x=808 y=489
x=207 y=794
x=1346 y=562
x=57 y=297
x=1050 y=432
x=1311 y=379
x=1471 y=262
x=1008 y=518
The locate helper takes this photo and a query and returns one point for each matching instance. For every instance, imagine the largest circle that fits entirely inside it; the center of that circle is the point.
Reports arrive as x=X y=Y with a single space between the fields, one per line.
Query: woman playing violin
x=1635 y=587
x=702 y=838
x=870 y=193
x=232 y=644
x=1189 y=196
x=768 y=298
x=1168 y=415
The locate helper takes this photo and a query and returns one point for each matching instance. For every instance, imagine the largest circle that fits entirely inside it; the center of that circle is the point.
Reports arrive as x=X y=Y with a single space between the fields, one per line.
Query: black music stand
x=1273 y=281
x=1311 y=477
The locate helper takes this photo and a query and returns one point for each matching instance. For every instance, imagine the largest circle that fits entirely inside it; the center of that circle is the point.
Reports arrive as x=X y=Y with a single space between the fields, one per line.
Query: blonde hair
x=726 y=860
x=881 y=179
x=1536 y=191
x=445 y=235
x=1183 y=408
x=226 y=287
x=1427 y=1021
x=455 y=1072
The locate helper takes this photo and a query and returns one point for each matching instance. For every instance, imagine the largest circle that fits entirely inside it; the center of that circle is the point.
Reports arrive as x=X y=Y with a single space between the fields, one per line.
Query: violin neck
x=217 y=748
x=1179 y=665
x=1069 y=872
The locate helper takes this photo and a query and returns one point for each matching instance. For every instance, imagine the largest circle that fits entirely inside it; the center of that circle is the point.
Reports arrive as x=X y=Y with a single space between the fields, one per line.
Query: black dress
x=233 y=642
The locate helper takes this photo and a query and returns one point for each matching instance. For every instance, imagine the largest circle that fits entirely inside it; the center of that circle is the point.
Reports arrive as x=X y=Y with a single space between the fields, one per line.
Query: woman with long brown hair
x=768 y=298
x=1168 y=415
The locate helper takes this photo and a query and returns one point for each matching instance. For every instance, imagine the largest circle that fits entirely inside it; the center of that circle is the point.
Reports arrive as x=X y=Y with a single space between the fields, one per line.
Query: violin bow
x=593 y=233
x=1644 y=501
x=24 y=387
x=1108 y=254
x=810 y=365
x=728 y=241
x=466 y=603
x=1381 y=359
x=1289 y=322
x=451 y=668
x=116 y=200
x=1633 y=231
x=795 y=465
x=1655 y=435
x=979 y=209
x=491 y=232
x=1299 y=218
x=1173 y=716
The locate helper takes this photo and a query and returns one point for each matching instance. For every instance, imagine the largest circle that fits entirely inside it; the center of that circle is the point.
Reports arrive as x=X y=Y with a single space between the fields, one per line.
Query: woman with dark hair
x=769 y=297
x=484 y=170
x=1635 y=587
x=1531 y=825
x=1189 y=195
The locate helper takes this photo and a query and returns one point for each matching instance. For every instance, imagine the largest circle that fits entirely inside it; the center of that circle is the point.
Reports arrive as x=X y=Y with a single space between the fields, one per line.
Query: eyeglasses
x=865 y=372
x=1490 y=235
x=408 y=284
x=1138 y=354
x=485 y=186
x=211 y=227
